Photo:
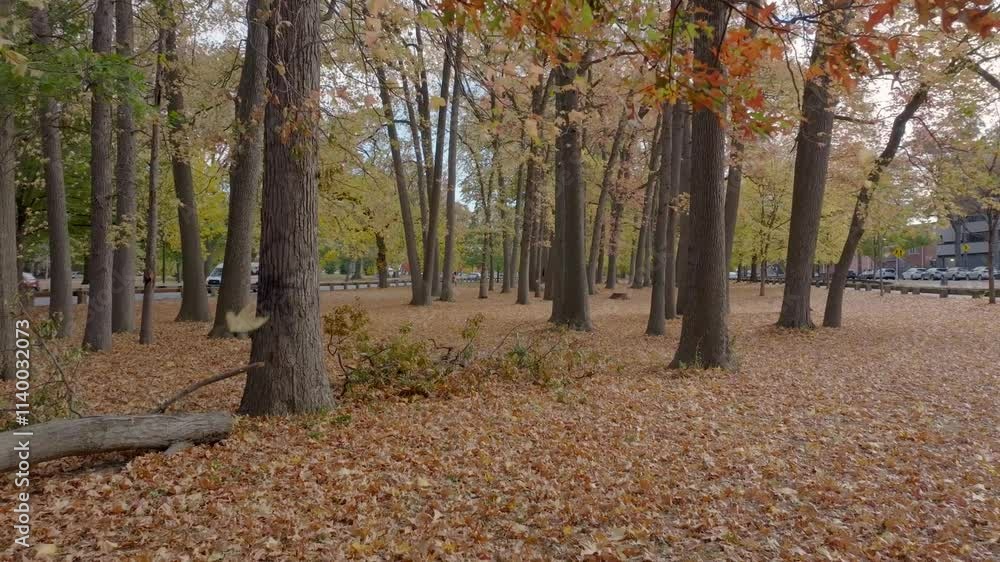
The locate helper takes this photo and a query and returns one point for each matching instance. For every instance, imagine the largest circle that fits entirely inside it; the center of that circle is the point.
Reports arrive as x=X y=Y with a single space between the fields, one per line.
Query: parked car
x=886 y=273
x=733 y=275
x=28 y=282
x=913 y=273
x=981 y=273
x=867 y=274
x=956 y=273
x=933 y=273
x=851 y=274
x=214 y=280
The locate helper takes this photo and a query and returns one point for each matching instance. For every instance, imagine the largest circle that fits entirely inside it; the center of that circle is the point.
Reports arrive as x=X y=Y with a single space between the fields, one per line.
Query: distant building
x=964 y=243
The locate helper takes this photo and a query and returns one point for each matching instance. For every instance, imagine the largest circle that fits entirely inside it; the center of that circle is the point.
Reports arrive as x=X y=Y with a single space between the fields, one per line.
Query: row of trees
x=526 y=112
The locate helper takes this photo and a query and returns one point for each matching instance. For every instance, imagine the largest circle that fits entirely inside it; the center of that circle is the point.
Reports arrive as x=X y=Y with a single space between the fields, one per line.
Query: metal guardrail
x=890 y=286
x=81 y=293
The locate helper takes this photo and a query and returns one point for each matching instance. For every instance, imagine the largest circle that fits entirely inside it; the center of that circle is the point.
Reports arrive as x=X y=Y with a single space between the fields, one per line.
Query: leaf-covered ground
x=876 y=441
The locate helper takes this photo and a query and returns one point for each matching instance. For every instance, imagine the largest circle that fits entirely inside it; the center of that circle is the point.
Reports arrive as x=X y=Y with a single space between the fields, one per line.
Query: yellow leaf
x=437 y=102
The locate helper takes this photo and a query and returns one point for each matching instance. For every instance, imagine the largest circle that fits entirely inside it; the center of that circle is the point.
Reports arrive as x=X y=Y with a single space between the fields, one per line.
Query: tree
x=194 y=298
x=704 y=331
x=449 y=243
x=244 y=173
x=656 y=325
x=812 y=159
x=149 y=271
x=833 y=315
x=97 y=333
x=293 y=379
x=60 y=281
x=123 y=276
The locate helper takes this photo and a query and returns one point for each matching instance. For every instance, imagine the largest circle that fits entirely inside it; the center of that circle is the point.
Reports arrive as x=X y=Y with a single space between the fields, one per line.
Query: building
x=964 y=243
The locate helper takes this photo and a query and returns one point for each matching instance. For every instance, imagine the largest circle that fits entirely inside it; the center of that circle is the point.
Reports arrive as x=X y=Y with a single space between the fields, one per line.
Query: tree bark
x=833 y=315
x=602 y=202
x=9 y=274
x=812 y=160
x=102 y=434
x=123 y=277
x=432 y=276
x=60 y=274
x=642 y=257
x=244 y=172
x=380 y=262
x=294 y=378
x=704 y=332
x=449 y=239
x=656 y=325
x=194 y=297
x=97 y=333
x=684 y=243
x=149 y=276
x=617 y=209
x=539 y=96
x=678 y=138
x=399 y=173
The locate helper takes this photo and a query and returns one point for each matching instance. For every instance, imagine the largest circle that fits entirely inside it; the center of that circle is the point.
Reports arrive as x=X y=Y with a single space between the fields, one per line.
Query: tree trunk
x=149 y=275
x=102 y=434
x=293 y=379
x=123 y=277
x=704 y=332
x=432 y=277
x=418 y=154
x=763 y=275
x=684 y=242
x=677 y=140
x=993 y=217
x=833 y=315
x=244 y=174
x=449 y=240
x=399 y=174
x=97 y=333
x=753 y=268
x=60 y=274
x=617 y=209
x=812 y=159
x=656 y=325
x=602 y=203
x=380 y=262
x=194 y=297
x=539 y=95
x=642 y=257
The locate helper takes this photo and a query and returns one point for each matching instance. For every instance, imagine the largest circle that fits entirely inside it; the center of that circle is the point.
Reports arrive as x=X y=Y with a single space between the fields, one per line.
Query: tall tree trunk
x=416 y=134
x=704 y=332
x=539 y=95
x=449 y=240
x=753 y=268
x=617 y=209
x=432 y=276
x=515 y=248
x=194 y=297
x=812 y=159
x=993 y=218
x=833 y=316
x=380 y=262
x=60 y=275
x=293 y=379
x=244 y=173
x=149 y=275
x=642 y=258
x=734 y=178
x=9 y=274
x=399 y=173
x=602 y=202
x=656 y=325
x=123 y=278
x=678 y=137
x=97 y=333
x=684 y=241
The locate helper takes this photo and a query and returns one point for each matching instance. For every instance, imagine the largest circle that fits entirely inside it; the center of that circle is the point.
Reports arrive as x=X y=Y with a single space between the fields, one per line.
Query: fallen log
x=103 y=434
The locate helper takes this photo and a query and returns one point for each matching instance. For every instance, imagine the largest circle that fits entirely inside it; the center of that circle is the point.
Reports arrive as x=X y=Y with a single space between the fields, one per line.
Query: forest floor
x=876 y=441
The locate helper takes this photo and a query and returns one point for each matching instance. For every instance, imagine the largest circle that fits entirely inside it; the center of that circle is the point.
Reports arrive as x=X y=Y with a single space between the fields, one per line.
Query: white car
x=980 y=273
x=214 y=280
x=913 y=273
